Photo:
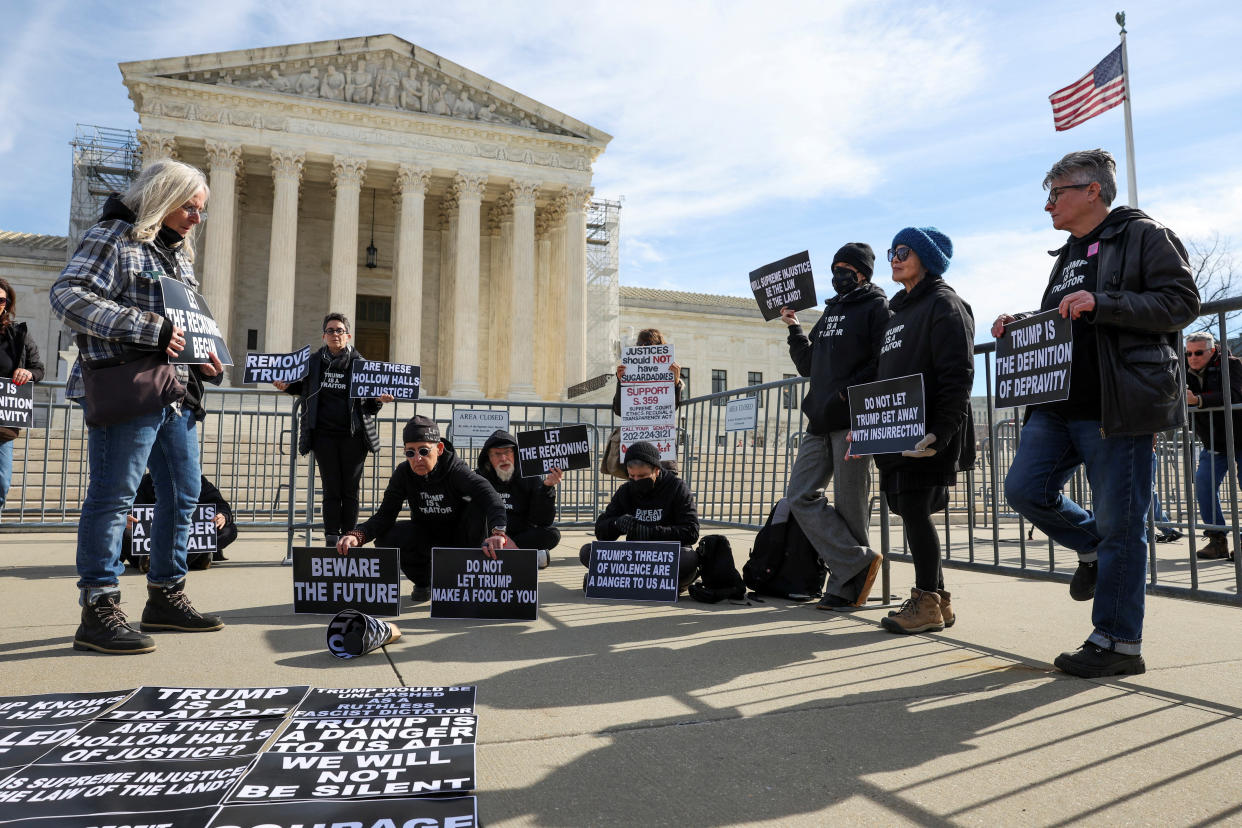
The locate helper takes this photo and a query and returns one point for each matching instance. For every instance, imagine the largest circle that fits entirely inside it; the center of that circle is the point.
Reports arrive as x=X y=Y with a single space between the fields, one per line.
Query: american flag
x=1097 y=91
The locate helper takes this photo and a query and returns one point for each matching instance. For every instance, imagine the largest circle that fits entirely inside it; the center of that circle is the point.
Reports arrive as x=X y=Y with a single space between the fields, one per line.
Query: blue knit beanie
x=933 y=248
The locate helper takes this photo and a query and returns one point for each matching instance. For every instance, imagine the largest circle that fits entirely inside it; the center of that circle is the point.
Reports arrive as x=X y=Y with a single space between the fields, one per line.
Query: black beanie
x=420 y=429
x=643 y=452
x=858 y=254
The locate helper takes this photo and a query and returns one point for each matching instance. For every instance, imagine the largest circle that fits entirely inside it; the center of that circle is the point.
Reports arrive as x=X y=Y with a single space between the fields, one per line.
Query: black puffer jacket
x=361 y=411
x=666 y=513
x=932 y=333
x=528 y=502
x=1208 y=384
x=841 y=351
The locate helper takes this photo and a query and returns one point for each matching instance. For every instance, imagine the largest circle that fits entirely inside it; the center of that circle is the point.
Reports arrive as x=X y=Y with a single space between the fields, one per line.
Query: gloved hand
x=921 y=447
x=623 y=524
x=640 y=531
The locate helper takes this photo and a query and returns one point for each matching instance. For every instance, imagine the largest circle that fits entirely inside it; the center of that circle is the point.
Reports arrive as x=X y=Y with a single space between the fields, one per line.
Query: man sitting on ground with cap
x=530 y=501
x=450 y=506
x=653 y=505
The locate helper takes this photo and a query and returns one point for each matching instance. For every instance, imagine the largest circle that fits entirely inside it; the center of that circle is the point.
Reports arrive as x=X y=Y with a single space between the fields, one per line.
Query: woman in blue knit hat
x=932 y=333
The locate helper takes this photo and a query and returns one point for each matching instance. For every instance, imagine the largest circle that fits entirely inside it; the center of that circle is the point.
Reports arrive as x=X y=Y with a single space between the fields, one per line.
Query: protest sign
x=277 y=777
x=367 y=579
x=152 y=786
x=202 y=540
x=649 y=404
x=158 y=703
x=187 y=309
x=663 y=437
x=189 y=818
x=477 y=423
x=887 y=416
x=16 y=404
x=122 y=741
x=564 y=448
x=633 y=570
x=466 y=584
x=1033 y=359
x=787 y=283
x=646 y=364
x=277 y=367
x=359 y=735
x=372 y=379
x=419 y=812
x=741 y=414
x=372 y=702
x=60 y=708
x=19 y=746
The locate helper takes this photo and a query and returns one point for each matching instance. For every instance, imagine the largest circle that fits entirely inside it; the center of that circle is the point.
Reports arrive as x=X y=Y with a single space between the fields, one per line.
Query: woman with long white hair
x=135 y=405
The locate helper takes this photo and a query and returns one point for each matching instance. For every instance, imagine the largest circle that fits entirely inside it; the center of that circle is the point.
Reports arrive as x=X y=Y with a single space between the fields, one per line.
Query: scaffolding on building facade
x=105 y=161
x=603 y=285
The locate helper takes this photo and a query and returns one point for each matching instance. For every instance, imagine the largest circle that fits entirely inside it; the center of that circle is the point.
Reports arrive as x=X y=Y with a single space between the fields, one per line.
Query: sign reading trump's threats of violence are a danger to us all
x=633 y=570
x=369 y=702
x=787 y=283
x=1033 y=360
x=467 y=584
x=367 y=579
x=372 y=379
x=16 y=403
x=563 y=448
x=277 y=367
x=187 y=309
x=887 y=416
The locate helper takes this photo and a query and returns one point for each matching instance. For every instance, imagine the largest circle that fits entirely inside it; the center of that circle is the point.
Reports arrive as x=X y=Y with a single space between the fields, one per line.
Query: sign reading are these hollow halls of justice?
x=374 y=379
x=1033 y=358
x=788 y=283
x=187 y=309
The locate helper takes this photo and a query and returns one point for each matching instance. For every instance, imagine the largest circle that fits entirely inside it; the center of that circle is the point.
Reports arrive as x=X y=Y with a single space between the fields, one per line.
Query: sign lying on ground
x=122 y=741
x=365 y=735
x=368 y=579
x=373 y=379
x=370 y=702
x=633 y=570
x=57 y=708
x=418 y=812
x=467 y=584
x=1033 y=360
x=887 y=416
x=16 y=404
x=564 y=448
x=277 y=367
x=187 y=309
x=787 y=283
x=159 y=703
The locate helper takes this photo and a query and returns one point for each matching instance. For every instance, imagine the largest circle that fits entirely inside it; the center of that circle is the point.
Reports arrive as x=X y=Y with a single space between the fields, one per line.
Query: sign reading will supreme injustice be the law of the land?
x=277 y=367
x=787 y=283
x=1033 y=360
x=374 y=379
x=553 y=448
x=887 y=416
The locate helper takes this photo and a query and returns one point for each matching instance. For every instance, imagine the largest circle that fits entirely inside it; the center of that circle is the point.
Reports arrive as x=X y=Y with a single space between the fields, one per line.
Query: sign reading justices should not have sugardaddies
x=467 y=584
x=1033 y=359
x=647 y=363
x=16 y=404
x=187 y=309
x=633 y=570
x=564 y=448
x=887 y=416
x=372 y=379
x=277 y=367
x=368 y=579
x=787 y=283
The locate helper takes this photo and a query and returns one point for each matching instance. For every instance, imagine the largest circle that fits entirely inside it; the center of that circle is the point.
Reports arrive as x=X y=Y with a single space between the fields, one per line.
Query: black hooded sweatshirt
x=528 y=502
x=437 y=499
x=665 y=513
x=840 y=351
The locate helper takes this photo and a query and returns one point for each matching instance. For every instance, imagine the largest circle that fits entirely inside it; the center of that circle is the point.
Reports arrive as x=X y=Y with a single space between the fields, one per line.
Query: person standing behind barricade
x=110 y=294
x=650 y=336
x=841 y=351
x=19 y=360
x=341 y=431
x=653 y=505
x=1124 y=281
x=450 y=506
x=529 y=501
x=931 y=333
x=1205 y=389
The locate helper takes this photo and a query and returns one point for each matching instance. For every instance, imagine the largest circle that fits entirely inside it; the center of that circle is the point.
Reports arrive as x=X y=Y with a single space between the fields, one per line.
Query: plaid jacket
x=110 y=291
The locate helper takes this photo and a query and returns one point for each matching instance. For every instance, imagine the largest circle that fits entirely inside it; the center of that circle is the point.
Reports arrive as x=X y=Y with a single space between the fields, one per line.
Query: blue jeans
x=167 y=443
x=6 y=470
x=1115 y=534
x=1213 y=466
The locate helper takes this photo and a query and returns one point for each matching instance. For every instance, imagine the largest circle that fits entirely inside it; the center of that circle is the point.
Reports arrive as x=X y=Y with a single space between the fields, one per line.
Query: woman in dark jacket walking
x=931 y=333
x=19 y=361
x=340 y=430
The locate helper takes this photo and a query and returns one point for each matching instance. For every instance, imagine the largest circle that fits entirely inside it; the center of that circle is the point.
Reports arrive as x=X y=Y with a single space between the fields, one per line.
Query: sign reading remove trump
x=277 y=367
x=633 y=570
x=887 y=416
x=1033 y=359
x=187 y=309
x=371 y=379
x=367 y=580
x=553 y=448
x=787 y=283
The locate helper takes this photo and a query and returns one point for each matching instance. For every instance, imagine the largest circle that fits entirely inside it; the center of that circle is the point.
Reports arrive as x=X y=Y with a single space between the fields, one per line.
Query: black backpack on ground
x=720 y=579
x=783 y=563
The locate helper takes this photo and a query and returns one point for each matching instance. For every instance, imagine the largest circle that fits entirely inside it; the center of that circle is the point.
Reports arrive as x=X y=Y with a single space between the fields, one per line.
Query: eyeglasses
x=1055 y=192
x=1200 y=352
x=421 y=451
x=901 y=253
x=335 y=332
x=845 y=273
x=4 y=300
x=191 y=210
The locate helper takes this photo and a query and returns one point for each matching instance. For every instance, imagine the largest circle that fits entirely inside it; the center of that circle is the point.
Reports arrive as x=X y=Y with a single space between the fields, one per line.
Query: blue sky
x=743 y=132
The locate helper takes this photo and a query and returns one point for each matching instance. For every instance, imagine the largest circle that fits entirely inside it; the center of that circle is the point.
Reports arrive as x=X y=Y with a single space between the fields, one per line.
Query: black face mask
x=644 y=485
x=844 y=283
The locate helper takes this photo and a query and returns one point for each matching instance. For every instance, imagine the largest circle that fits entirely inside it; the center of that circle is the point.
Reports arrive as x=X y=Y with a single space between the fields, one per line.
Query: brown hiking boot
x=1216 y=548
x=919 y=614
x=946 y=609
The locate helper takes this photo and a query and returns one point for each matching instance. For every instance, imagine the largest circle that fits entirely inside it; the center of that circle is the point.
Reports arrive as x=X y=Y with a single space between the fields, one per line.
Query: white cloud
x=1002 y=272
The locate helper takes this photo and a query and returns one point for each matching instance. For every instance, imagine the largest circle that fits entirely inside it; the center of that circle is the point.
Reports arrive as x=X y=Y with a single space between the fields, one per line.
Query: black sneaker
x=1091 y=661
x=105 y=629
x=420 y=594
x=1082 y=587
x=835 y=603
x=169 y=608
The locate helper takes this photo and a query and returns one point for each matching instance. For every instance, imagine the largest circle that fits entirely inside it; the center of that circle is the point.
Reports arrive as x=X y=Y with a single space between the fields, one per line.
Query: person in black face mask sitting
x=653 y=505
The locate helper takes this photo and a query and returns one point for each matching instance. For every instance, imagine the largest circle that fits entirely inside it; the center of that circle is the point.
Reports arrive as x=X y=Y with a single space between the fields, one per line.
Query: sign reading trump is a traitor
x=787 y=283
x=1033 y=360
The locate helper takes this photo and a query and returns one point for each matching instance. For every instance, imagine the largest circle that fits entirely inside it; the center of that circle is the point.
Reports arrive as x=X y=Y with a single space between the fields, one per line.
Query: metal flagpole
x=1131 y=177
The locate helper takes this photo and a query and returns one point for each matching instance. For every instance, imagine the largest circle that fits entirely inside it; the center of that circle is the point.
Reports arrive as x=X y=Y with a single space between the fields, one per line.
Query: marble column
x=544 y=316
x=576 y=203
x=287 y=176
x=557 y=297
x=156 y=145
x=224 y=161
x=347 y=174
x=466 y=331
x=522 y=270
x=407 y=283
x=446 y=318
x=500 y=322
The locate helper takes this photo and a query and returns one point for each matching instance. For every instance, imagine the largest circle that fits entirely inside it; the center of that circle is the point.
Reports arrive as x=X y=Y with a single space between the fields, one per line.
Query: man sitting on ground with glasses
x=450 y=506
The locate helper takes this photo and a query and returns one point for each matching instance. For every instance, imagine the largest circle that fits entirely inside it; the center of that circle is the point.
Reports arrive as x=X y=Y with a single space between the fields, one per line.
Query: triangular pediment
x=384 y=72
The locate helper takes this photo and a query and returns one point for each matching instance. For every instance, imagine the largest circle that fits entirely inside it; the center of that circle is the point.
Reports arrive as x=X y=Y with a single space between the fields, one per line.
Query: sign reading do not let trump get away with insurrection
x=887 y=416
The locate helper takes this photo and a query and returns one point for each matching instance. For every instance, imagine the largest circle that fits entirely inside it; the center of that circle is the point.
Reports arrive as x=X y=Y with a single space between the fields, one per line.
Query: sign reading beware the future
x=367 y=579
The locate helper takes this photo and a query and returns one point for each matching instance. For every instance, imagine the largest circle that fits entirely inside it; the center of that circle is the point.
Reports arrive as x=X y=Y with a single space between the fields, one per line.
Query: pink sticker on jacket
x=1093 y=248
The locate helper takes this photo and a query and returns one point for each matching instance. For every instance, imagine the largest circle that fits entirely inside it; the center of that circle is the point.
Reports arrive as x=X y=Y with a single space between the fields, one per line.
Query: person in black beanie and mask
x=841 y=351
x=653 y=505
x=340 y=430
x=450 y=506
